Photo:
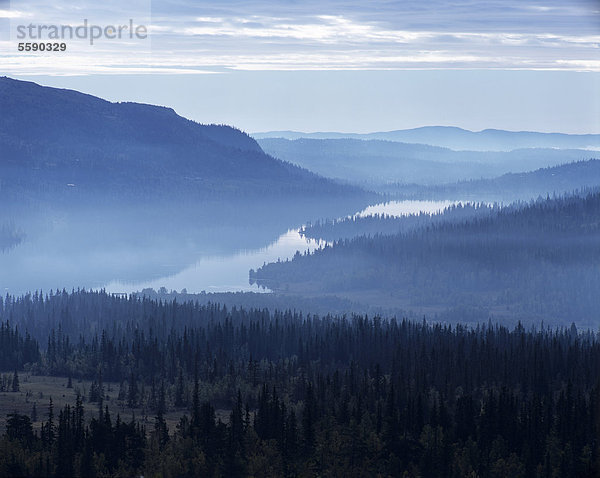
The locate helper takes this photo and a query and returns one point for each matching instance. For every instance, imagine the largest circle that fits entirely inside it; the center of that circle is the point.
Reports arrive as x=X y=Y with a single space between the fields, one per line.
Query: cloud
x=11 y=14
x=284 y=35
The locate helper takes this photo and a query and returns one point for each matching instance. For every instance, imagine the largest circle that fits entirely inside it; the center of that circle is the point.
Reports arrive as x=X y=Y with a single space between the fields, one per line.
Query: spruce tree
x=15 y=382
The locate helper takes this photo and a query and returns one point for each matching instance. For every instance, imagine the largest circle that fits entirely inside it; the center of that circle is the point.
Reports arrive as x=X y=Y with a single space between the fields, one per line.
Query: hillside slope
x=62 y=142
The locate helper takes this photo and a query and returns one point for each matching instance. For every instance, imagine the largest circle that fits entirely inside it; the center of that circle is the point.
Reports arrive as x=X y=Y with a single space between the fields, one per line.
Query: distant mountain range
x=62 y=143
x=383 y=162
x=459 y=139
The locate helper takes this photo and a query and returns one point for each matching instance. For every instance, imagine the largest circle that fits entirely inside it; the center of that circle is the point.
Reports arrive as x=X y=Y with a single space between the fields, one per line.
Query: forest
x=536 y=262
x=279 y=393
x=383 y=224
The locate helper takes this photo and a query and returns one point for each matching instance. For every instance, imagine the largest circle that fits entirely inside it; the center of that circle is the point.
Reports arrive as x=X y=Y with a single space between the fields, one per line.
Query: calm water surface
x=123 y=256
x=229 y=273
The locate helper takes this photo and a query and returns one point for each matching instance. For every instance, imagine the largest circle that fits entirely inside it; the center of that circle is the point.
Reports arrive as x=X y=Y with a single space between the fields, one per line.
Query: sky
x=331 y=65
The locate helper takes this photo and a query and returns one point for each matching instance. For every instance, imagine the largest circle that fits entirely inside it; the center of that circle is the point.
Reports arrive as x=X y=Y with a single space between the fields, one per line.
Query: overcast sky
x=331 y=65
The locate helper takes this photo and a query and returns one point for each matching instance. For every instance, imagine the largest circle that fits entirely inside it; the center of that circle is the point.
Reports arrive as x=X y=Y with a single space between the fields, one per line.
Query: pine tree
x=50 y=424
x=308 y=420
x=15 y=382
x=236 y=424
x=196 y=401
x=180 y=390
x=132 y=392
x=161 y=431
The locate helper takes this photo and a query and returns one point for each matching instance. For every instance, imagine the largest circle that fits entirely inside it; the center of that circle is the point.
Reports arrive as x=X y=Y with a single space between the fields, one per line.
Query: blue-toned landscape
x=282 y=239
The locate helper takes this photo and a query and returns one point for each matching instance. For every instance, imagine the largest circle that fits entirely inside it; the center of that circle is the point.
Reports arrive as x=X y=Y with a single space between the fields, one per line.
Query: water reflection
x=229 y=273
x=225 y=273
x=200 y=246
x=210 y=247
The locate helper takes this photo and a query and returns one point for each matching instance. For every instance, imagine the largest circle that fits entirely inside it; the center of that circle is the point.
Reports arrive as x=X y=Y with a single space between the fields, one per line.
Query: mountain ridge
x=63 y=141
x=458 y=139
x=382 y=161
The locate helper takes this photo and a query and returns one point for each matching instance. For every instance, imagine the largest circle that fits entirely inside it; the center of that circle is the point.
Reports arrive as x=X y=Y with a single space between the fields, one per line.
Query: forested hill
x=580 y=178
x=539 y=262
x=348 y=227
x=57 y=142
x=561 y=179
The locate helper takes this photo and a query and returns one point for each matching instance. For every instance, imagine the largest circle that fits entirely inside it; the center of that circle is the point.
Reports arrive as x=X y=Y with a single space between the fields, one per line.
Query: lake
x=129 y=253
x=229 y=273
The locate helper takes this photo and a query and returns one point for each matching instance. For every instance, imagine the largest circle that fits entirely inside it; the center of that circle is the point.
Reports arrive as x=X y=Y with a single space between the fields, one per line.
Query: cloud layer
x=199 y=37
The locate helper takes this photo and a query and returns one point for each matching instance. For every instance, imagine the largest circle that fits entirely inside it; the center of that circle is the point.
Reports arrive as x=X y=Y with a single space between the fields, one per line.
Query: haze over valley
x=127 y=197
x=196 y=301
x=297 y=239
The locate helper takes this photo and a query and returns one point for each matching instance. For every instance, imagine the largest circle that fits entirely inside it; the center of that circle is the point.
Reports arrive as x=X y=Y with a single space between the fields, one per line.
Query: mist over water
x=229 y=273
x=225 y=273
x=126 y=252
